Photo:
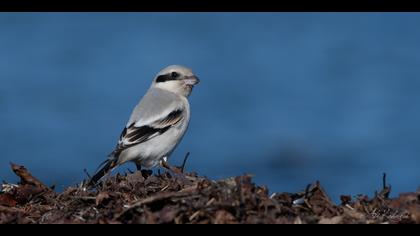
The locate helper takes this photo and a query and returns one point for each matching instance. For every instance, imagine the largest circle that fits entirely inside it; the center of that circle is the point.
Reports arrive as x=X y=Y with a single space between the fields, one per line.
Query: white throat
x=175 y=86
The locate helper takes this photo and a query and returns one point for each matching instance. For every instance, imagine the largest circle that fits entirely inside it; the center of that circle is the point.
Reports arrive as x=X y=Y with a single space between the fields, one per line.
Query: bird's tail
x=103 y=169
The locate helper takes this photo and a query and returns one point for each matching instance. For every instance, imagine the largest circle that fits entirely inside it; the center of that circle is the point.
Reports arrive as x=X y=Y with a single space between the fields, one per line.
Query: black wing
x=133 y=135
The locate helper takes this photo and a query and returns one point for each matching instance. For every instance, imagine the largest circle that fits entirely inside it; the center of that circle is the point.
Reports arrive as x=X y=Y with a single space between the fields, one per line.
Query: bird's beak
x=191 y=80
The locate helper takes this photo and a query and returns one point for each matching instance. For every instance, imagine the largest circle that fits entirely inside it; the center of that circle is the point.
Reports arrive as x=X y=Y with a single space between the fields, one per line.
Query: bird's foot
x=174 y=169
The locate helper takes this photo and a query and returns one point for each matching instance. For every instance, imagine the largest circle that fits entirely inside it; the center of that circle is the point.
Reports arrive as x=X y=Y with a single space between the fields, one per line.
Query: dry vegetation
x=140 y=197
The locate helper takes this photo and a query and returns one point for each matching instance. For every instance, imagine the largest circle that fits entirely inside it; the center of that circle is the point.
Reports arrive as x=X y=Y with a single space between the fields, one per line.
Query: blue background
x=289 y=97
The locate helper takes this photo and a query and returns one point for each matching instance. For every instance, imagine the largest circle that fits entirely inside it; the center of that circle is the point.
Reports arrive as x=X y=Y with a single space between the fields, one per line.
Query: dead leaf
x=101 y=197
x=7 y=200
x=224 y=217
x=26 y=177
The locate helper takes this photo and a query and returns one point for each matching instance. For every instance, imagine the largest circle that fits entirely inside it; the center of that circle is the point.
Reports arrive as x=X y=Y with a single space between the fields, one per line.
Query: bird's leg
x=138 y=166
x=144 y=172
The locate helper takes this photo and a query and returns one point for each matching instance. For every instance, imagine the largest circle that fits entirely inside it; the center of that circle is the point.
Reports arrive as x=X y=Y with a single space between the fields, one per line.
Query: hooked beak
x=191 y=80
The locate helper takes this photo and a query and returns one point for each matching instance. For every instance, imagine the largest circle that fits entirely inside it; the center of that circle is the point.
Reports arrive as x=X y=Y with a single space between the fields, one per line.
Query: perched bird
x=156 y=125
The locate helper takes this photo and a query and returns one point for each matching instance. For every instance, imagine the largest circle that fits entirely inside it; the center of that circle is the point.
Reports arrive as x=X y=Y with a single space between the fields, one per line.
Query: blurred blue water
x=289 y=97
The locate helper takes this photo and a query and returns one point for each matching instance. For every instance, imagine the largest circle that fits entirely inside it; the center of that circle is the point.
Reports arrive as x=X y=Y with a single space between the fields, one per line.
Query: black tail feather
x=107 y=166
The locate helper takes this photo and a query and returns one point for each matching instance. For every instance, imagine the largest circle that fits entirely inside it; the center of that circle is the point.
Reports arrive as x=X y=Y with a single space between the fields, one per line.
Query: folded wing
x=134 y=134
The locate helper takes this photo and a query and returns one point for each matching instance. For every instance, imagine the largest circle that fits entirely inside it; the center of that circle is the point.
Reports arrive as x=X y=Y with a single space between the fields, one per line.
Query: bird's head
x=176 y=79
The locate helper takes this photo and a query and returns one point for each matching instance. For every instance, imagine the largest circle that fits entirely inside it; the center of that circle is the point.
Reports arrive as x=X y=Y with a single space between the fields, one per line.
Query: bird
x=157 y=123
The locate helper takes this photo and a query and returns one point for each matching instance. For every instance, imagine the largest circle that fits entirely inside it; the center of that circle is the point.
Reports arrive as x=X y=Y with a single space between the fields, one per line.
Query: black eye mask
x=167 y=77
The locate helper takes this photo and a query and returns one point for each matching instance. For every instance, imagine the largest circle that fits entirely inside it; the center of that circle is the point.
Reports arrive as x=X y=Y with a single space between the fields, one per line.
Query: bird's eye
x=174 y=74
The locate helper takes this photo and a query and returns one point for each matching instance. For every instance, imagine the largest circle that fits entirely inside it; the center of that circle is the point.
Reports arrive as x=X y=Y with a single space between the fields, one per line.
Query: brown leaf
x=26 y=177
x=7 y=200
x=320 y=203
x=101 y=197
x=224 y=217
x=414 y=212
x=24 y=193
